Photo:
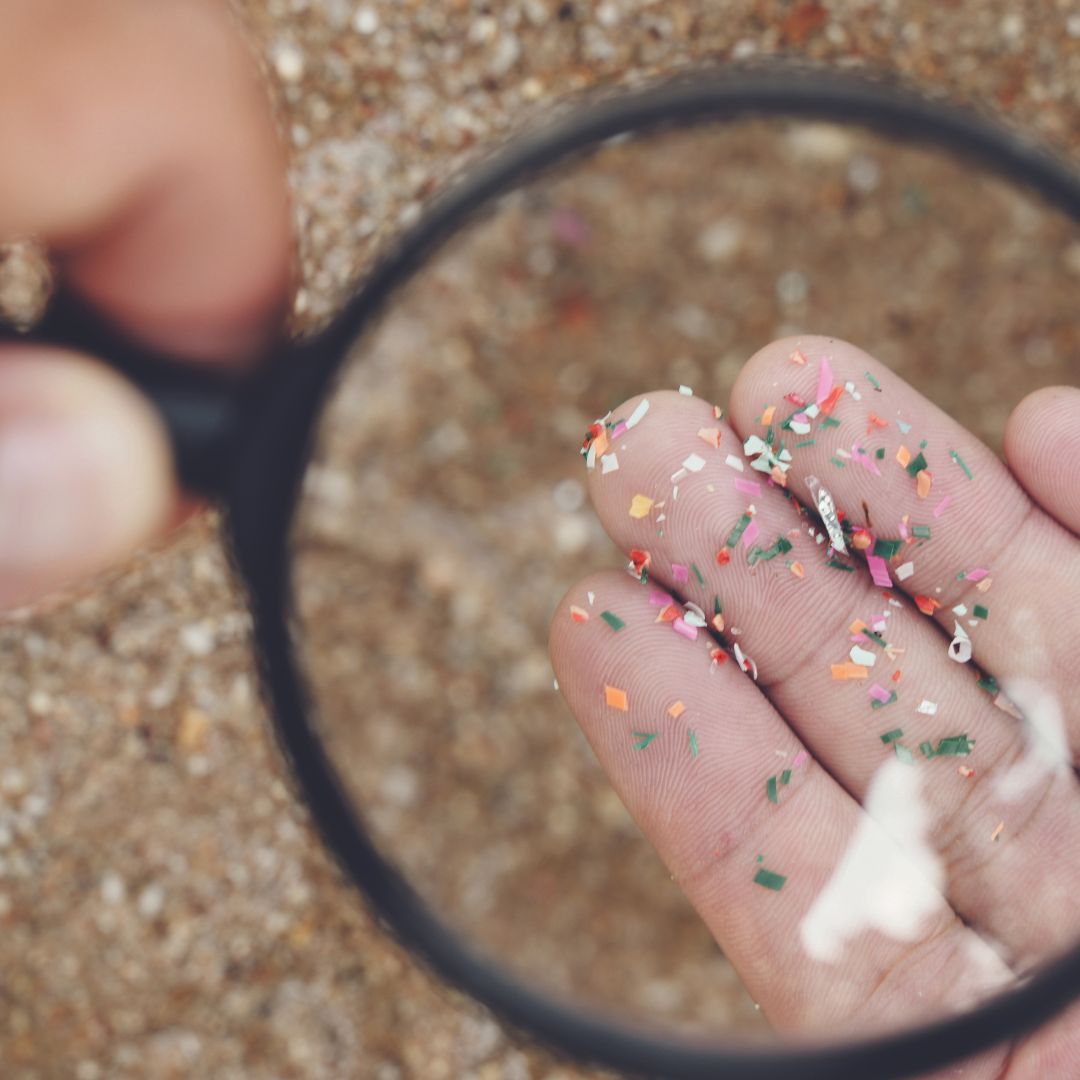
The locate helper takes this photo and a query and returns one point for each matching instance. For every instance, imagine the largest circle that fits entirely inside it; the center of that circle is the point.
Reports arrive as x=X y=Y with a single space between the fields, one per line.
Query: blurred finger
x=85 y=470
x=146 y=157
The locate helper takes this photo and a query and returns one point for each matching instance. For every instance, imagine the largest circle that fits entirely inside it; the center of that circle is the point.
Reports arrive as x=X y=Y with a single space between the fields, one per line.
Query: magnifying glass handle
x=200 y=407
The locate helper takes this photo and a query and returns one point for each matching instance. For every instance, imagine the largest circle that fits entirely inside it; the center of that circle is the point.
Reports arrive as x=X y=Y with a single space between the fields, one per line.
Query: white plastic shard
x=638 y=414
x=960 y=646
x=608 y=463
x=826 y=509
x=695 y=463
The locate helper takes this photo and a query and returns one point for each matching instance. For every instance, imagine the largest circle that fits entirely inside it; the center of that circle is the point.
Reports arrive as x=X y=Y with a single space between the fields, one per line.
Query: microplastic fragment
x=942 y=506
x=619 y=429
x=592 y=596
x=686 y=391
x=873 y=382
x=578 y=614
x=680 y=573
x=997 y=831
x=797 y=569
x=769 y=879
x=989 y=684
x=966 y=772
x=711 y=436
x=826 y=509
x=695 y=463
x=960 y=646
x=609 y=463
x=847 y=670
x=693 y=743
x=785 y=777
x=799 y=425
x=612 y=620
x=837 y=462
x=800 y=757
x=797 y=357
x=892 y=736
x=858 y=452
x=836 y=564
x=960 y=609
x=886 y=549
x=668 y=614
x=770 y=790
x=697 y=574
x=879 y=571
x=748 y=487
x=879 y=693
x=736 y=533
x=862 y=656
x=953 y=746
x=904 y=571
x=927 y=604
x=916 y=465
x=676 y=710
x=903 y=753
x=879 y=453
x=745 y=662
x=924 y=481
x=644 y=737
x=963 y=464
x=734 y=462
x=723 y=557
x=977 y=574
x=890 y=700
x=825 y=382
x=921 y=532
x=903 y=456
x=640 y=506
x=927 y=708
x=830 y=421
x=904 y=428
x=615 y=697
x=767 y=416
x=658 y=598
x=681 y=626
x=750 y=534
x=638 y=414
x=980 y=612
x=805 y=442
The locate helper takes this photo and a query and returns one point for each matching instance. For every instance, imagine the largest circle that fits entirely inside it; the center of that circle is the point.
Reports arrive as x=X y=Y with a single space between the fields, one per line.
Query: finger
x=1042 y=445
x=797 y=615
x=85 y=471
x=973 y=546
x=147 y=159
x=688 y=750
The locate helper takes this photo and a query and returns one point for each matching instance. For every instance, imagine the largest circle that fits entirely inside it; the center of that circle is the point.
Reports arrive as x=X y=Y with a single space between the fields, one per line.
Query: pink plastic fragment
x=904 y=531
x=750 y=534
x=879 y=571
x=680 y=574
x=858 y=452
x=681 y=626
x=619 y=429
x=879 y=693
x=748 y=487
x=825 y=382
x=942 y=506
x=977 y=574
x=659 y=599
x=800 y=757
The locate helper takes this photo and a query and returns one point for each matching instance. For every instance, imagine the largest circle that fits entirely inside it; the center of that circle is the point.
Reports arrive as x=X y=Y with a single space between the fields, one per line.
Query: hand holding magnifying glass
x=187 y=248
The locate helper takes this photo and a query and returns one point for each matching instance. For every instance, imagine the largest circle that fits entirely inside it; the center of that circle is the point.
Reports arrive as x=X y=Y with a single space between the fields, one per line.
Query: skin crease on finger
x=179 y=230
x=910 y=516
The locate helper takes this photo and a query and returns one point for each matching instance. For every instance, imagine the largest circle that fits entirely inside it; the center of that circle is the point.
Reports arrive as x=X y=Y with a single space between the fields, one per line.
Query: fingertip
x=1042 y=443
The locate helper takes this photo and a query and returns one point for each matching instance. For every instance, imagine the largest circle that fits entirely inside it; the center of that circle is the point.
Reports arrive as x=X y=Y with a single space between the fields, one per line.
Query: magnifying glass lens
x=868 y=793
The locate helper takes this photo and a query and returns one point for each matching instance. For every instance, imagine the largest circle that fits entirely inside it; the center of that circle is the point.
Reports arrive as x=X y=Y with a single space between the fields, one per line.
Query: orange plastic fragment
x=616 y=698
x=829 y=403
x=640 y=506
x=927 y=604
x=779 y=476
x=723 y=556
x=798 y=569
x=903 y=457
x=718 y=656
x=849 y=670
x=896 y=675
x=767 y=415
x=718 y=623
x=676 y=710
x=876 y=422
x=924 y=481
x=711 y=435
x=965 y=771
x=861 y=539
x=578 y=614
x=668 y=613
x=857 y=627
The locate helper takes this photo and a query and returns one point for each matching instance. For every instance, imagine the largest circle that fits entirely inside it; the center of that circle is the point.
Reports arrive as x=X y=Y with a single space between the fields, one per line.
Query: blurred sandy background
x=164 y=909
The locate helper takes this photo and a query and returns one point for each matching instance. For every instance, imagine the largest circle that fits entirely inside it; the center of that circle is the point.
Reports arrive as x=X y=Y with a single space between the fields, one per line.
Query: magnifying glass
x=407 y=502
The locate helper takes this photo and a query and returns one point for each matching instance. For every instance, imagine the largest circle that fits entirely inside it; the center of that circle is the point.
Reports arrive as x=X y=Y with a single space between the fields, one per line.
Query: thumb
x=85 y=470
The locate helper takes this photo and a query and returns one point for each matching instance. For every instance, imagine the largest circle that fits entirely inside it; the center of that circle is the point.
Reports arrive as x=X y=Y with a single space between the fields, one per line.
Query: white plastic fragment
x=904 y=571
x=638 y=414
x=863 y=656
x=927 y=708
x=608 y=463
x=734 y=462
x=695 y=463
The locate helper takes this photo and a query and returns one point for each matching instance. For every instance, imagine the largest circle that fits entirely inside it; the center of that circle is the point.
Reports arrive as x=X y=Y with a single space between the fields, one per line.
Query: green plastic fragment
x=904 y=754
x=873 y=382
x=875 y=704
x=923 y=444
x=736 y=533
x=769 y=879
x=989 y=684
x=717 y=609
x=892 y=736
x=785 y=777
x=757 y=554
x=963 y=464
x=980 y=612
x=697 y=574
x=770 y=790
x=805 y=442
x=879 y=453
x=612 y=620
x=887 y=548
x=830 y=421
x=952 y=746
x=770 y=436
x=876 y=638
x=921 y=531
x=644 y=738
x=836 y=564
x=838 y=463
x=693 y=743
x=916 y=465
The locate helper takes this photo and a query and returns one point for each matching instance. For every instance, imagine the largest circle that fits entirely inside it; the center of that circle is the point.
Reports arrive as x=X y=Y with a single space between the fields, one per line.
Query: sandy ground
x=165 y=909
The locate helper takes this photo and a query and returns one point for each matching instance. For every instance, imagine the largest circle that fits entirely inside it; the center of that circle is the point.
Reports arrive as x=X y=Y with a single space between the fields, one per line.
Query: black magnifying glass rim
x=265 y=490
